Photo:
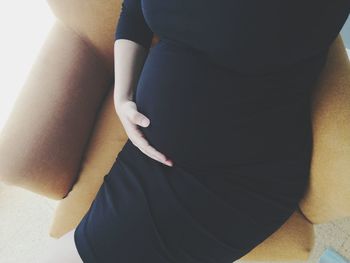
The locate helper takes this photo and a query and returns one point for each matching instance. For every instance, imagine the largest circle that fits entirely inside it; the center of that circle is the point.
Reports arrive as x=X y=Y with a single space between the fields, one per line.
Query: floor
x=26 y=217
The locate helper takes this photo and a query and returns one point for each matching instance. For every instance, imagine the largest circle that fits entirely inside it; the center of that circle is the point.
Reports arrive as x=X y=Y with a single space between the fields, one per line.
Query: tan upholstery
x=328 y=196
x=64 y=135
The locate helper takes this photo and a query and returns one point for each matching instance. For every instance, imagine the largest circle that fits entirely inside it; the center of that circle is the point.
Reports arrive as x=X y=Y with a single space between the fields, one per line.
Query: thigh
x=62 y=250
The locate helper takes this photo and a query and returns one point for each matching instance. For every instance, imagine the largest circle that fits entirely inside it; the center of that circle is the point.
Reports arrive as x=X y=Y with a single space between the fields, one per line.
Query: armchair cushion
x=44 y=138
x=327 y=197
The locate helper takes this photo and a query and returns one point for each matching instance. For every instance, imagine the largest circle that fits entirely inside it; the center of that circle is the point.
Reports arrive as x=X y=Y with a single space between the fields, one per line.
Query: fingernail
x=145 y=122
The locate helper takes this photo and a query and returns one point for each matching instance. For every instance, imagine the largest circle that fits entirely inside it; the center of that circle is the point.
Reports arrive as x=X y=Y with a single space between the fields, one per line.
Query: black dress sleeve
x=132 y=25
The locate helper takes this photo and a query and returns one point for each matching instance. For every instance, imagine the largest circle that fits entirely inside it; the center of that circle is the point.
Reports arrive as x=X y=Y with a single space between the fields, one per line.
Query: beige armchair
x=63 y=134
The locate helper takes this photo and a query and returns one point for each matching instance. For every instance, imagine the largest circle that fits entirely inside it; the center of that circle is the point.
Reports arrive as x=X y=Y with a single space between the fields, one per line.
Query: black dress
x=227 y=90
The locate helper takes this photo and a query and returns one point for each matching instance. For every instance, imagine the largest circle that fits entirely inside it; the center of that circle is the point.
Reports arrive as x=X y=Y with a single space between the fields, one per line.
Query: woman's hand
x=130 y=118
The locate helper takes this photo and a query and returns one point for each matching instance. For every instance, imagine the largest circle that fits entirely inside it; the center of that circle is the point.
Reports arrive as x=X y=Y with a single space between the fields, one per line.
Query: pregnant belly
x=205 y=117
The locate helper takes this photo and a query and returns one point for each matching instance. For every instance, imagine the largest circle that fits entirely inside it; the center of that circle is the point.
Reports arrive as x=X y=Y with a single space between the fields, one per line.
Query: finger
x=145 y=152
x=143 y=143
x=149 y=150
x=137 y=117
x=161 y=157
x=138 y=140
x=151 y=156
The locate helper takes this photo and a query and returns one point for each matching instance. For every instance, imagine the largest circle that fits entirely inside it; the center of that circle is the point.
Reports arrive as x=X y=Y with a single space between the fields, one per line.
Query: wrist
x=122 y=98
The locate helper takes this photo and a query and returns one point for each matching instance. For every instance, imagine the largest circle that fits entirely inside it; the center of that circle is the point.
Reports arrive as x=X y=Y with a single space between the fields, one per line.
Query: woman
x=217 y=115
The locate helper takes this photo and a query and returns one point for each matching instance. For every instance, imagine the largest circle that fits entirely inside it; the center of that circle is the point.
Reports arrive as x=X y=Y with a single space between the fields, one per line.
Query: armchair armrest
x=44 y=139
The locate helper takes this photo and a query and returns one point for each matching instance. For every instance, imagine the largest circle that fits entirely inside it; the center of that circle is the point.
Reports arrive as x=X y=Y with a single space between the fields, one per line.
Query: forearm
x=133 y=39
x=129 y=58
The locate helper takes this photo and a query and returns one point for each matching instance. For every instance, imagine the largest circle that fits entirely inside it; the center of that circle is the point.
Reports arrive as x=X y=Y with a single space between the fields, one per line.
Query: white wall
x=23 y=26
